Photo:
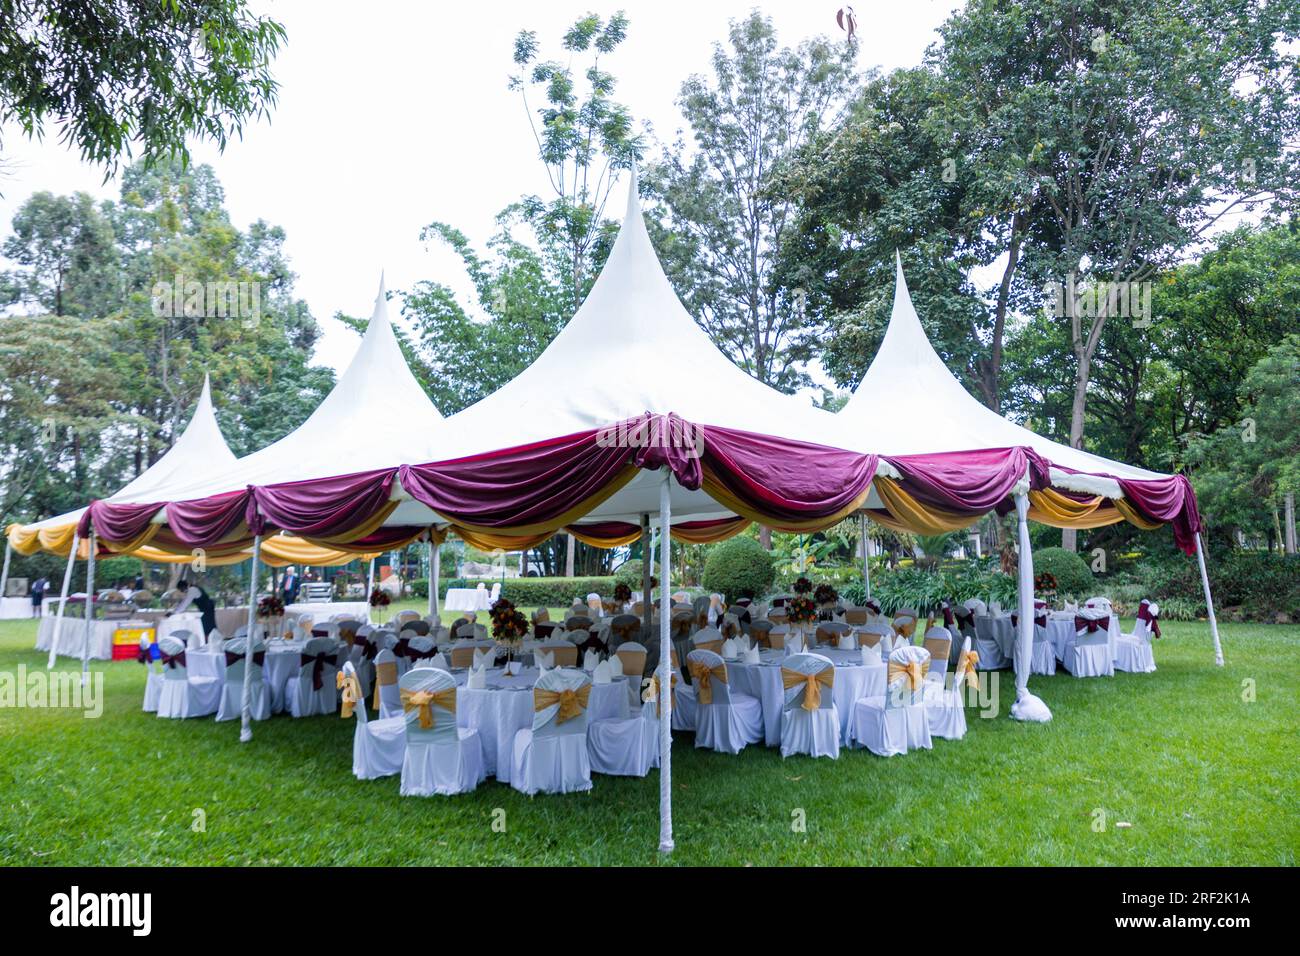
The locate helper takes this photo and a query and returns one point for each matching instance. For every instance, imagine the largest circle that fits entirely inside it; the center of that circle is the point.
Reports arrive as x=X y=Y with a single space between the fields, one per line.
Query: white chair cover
x=1089 y=655
x=945 y=709
x=552 y=757
x=443 y=759
x=390 y=699
x=1133 y=651
x=302 y=697
x=180 y=696
x=625 y=747
x=991 y=658
x=378 y=746
x=731 y=720
x=938 y=641
x=232 y=691
x=897 y=722
x=812 y=732
x=153 y=683
x=1043 y=656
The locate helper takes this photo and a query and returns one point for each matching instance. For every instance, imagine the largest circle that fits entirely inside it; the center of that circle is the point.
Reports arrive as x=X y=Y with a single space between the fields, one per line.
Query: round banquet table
x=467 y=599
x=853 y=681
x=505 y=707
x=1061 y=634
x=281 y=664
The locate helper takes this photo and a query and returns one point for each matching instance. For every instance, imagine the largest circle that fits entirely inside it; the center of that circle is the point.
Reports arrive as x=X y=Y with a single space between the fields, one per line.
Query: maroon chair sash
x=1152 y=620
x=170 y=660
x=1039 y=619
x=1091 y=624
x=319 y=661
x=259 y=658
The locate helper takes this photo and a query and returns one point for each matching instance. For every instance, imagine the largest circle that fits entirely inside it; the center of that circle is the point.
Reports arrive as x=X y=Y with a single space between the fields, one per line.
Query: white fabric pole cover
x=866 y=562
x=246 y=696
x=435 y=558
x=1027 y=706
x=665 y=670
x=4 y=575
x=1209 y=602
x=63 y=600
x=90 y=610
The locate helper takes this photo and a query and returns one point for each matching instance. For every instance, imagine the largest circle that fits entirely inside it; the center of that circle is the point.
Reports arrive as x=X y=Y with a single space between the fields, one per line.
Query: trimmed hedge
x=1073 y=576
x=738 y=568
x=527 y=592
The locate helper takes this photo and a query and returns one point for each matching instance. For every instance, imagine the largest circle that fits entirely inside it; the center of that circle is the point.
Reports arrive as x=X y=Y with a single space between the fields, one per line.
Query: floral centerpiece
x=379 y=599
x=802 y=586
x=1045 y=586
x=622 y=594
x=270 y=609
x=826 y=597
x=509 y=628
x=800 y=611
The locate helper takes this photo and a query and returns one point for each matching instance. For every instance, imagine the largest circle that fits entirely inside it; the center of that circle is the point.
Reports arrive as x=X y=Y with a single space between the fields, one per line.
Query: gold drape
x=572 y=702
x=908 y=514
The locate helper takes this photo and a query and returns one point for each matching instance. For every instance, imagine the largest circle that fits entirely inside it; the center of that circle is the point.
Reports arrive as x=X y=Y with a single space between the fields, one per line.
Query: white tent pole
x=1026 y=706
x=63 y=599
x=370 y=582
x=866 y=563
x=435 y=559
x=1209 y=602
x=4 y=575
x=665 y=670
x=246 y=693
x=90 y=610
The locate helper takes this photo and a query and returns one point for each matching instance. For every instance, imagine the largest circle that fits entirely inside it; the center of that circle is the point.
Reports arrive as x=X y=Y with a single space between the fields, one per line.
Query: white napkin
x=743 y=643
x=886 y=645
x=477 y=679
x=601 y=674
x=544 y=660
x=439 y=661
x=484 y=658
x=729 y=648
x=615 y=666
x=871 y=655
x=590 y=660
x=752 y=656
x=793 y=643
x=995 y=607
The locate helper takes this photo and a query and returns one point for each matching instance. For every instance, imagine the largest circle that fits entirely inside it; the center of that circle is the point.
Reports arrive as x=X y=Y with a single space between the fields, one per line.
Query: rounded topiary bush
x=629 y=573
x=1073 y=576
x=738 y=568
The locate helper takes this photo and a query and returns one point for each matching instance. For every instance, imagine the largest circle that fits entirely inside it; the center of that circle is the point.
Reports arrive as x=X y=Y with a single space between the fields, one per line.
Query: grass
x=1203 y=777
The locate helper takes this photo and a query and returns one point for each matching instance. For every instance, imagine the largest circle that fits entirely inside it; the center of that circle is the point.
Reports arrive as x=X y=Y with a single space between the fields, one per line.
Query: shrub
x=1073 y=576
x=738 y=568
x=629 y=573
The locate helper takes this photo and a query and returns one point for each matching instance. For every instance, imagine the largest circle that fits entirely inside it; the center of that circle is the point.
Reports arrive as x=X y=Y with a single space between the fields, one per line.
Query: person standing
x=289 y=585
x=196 y=596
x=37 y=592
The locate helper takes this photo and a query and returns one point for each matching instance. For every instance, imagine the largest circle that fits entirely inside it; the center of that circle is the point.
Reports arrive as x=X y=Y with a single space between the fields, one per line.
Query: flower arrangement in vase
x=379 y=599
x=802 y=586
x=1045 y=586
x=826 y=597
x=800 y=611
x=509 y=627
x=622 y=595
x=269 y=609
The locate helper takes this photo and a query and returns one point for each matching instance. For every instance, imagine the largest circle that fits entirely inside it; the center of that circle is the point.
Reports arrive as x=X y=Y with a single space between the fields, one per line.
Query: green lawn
x=1202 y=776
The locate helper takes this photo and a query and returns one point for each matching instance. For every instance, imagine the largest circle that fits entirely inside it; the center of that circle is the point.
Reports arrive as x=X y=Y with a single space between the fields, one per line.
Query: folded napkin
x=544 y=660
x=794 y=643
x=871 y=655
x=886 y=645
x=728 y=648
x=590 y=660
x=601 y=673
x=477 y=679
x=615 y=666
x=484 y=658
x=752 y=656
x=439 y=661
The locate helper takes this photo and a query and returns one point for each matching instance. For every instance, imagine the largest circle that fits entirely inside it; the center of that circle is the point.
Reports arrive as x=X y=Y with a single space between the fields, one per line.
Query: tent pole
x=1026 y=706
x=665 y=671
x=647 y=611
x=1209 y=602
x=63 y=599
x=370 y=581
x=90 y=610
x=4 y=575
x=866 y=563
x=246 y=694
x=434 y=556
x=1288 y=533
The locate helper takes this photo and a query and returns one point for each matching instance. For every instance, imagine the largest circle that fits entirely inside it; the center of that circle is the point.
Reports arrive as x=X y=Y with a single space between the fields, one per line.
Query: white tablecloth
x=281 y=663
x=1061 y=633
x=468 y=599
x=72 y=639
x=323 y=611
x=853 y=681
x=190 y=621
x=506 y=707
x=12 y=608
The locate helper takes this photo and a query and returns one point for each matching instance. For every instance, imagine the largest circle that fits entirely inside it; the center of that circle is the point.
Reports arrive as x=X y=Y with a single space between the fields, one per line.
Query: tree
x=724 y=221
x=110 y=74
x=67 y=245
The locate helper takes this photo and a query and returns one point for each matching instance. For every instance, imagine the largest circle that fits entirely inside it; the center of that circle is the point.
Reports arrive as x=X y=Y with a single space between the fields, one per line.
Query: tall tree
x=65 y=246
x=725 y=221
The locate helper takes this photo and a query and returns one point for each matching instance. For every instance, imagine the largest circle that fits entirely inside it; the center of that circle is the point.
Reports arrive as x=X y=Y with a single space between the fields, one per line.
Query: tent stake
x=246 y=694
x=665 y=670
x=63 y=600
x=90 y=610
x=1209 y=602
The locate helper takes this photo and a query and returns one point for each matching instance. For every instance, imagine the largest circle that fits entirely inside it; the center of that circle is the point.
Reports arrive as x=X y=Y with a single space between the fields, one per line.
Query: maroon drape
x=116 y=522
x=1167 y=499
x=971 y=482
x=320 y=507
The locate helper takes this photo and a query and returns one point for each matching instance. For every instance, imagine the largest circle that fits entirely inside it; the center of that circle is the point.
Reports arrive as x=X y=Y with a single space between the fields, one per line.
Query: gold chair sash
x=812 y=695
x=572 y=702
x=423 y=700
x=907 y=628
x=351 y=688
x=702 y=677
x=966 y=665
x=915 y=672
x=651 y=692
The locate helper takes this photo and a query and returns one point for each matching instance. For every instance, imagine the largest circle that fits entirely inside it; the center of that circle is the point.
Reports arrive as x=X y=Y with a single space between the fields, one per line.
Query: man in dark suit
x=289 y=585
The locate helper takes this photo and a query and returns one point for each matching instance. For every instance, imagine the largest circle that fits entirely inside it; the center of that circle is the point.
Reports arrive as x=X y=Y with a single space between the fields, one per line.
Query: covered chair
x=1089 y=654
x=707 y=639
x=232 y=692
x=627 y=746
x=388 y=701
x=153 y=684
x=314 y=690
x=897 y=722
x=180 y=696
x=441 y=759
x=938 y=641
x=724 y=721
x=945 y=707
x=378 y=746
x=552 y=756
x=1133 y=651
x=810 y=723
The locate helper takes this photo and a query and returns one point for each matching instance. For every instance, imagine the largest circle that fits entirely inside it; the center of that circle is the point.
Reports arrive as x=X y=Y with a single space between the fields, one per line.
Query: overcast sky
x=394 y=114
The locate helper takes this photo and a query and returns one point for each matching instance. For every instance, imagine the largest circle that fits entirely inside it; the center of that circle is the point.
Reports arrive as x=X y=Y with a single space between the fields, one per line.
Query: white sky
x=396 y=114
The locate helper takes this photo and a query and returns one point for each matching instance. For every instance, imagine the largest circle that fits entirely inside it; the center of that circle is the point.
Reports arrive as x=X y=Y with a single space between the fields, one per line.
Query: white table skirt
x=324 y=610
x=13 y=608
x=190 y=621
x=506 y=707
x=467 y=599
x=72 y=639
x=1061 y=634
x=853 y=681
x=281 y=663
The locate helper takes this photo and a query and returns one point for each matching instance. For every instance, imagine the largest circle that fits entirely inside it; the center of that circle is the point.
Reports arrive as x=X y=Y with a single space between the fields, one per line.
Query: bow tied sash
x=170 y=660
x=350 y=692
x=368 y=648
x=424 y=700
x=1091 y=624
x=948 y=619
x=966 y=665
x=907 y=628
x=259 y=658
x=651 y=692
x=914 y=671
x=813 y=684
x=1039 y=619
x=965 y=617
x=572 y=702
x=319 y=661
x=702 y=676
x=872 y=606
x=1152 y=620
x=402 y=648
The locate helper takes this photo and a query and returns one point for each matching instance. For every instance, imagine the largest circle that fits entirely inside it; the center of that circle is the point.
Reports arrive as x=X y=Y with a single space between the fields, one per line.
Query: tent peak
x=633 y=193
